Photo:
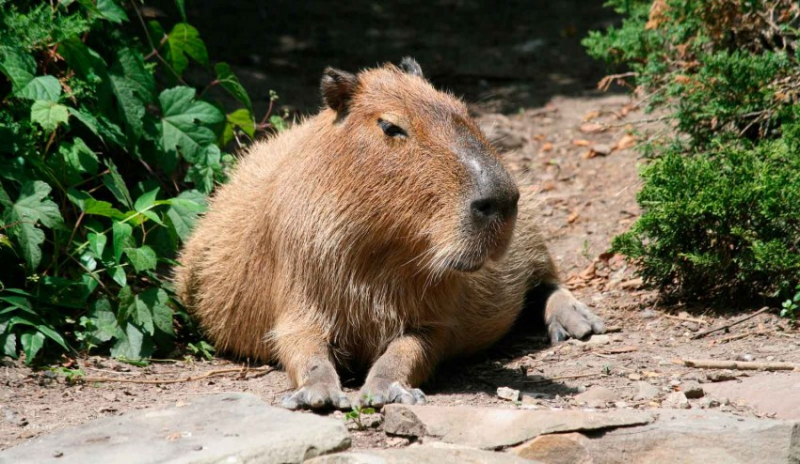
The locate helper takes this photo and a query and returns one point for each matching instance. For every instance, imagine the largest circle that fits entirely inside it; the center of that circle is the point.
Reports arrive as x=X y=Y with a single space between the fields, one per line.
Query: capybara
x=379 y=234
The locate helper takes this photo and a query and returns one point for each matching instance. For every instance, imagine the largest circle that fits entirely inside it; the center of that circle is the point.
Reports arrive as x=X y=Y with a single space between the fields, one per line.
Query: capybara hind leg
x=407 y=362
x=308 y=362
x=566 y=317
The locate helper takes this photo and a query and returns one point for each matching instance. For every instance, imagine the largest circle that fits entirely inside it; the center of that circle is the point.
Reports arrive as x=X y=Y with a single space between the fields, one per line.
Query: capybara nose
x=496 y=207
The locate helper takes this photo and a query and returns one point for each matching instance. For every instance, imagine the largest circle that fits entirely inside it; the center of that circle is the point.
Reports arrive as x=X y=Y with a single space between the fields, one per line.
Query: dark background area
x=504 y=55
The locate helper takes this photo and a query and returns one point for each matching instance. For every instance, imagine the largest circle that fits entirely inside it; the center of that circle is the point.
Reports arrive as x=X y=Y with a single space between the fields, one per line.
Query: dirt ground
x=531 y=85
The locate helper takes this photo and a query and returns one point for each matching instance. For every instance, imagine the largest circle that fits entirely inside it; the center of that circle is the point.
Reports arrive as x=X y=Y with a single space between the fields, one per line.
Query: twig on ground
x=214 y=373
x=563 y=377
x=739 y=336
x=728 y=326
x=686 y=319
x=737 y=365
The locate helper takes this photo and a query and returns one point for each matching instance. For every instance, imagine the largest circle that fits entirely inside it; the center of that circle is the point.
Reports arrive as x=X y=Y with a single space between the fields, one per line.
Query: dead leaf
x=547 y=147
x=633 y=283
x=625 y=142
x=591 y=115
x=573 y=217
x=681 y=79
x=539 y=137
x=657 y=14
x=581 y=143
x=589 y=154
x=591 y=127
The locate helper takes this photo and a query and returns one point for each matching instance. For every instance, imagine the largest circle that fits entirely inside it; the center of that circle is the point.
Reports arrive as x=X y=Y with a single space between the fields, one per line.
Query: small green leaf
x=142 y=258
x=32 y=207
x=114 y=182
x=132 y=345
x=45 y=88
x=184 y=40
x=183 y=212
x=122 y=236
x=243 y=119
x=231 y=83
x=49 y=114
x=8 y=341
x=97 y=243
x=32 y=342
x=146 y=201
x=111 y=11
x=185 y=123
x=278 y=123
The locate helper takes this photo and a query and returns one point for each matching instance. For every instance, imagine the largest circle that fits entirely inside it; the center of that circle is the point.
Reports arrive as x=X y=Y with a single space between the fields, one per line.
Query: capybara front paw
x=380 y=392
x=567 y=317
x=317 y=396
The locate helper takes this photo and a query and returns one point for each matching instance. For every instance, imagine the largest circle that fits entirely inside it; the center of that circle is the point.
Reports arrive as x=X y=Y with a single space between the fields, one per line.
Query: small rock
x=692 y=390
x=676 y=400
x=508 y=394
x=720 y=376
x=110 y=396
x=620 y=405
x=601 y=149
x=397 y=442
x=710 y=403
x=674 y=382
x=634 y=377
x=646 y=391
x=746 y=357
x=648 y=314
x=597 y=397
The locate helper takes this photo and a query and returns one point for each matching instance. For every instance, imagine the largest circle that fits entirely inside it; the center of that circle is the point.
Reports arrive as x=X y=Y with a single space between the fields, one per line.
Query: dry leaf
x=581 y=143
x=539 y=137
x=590 y=127
x=626 y=141
x=589 y=154
x=572 y=217
x=547 y=147
x=591 y=115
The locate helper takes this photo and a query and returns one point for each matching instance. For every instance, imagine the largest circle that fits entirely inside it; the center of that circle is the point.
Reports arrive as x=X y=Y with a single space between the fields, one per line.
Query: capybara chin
x=382 y=233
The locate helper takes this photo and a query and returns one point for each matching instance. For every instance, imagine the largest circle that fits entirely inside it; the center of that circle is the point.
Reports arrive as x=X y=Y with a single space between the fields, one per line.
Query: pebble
x=601 y=149
x=746 y=357
x=692 y=390
x=508 y=394
x=676 y=400
x=648 y=314
x=720 y=376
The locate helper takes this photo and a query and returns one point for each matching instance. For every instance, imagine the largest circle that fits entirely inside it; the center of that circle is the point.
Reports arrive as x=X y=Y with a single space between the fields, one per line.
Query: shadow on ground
x=507 y=55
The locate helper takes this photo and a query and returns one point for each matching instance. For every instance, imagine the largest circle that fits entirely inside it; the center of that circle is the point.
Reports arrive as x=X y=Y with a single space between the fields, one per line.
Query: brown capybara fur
x=379 y=233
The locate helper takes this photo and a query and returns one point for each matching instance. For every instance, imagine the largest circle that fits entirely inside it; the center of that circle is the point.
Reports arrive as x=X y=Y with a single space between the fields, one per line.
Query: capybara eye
x=390 y=129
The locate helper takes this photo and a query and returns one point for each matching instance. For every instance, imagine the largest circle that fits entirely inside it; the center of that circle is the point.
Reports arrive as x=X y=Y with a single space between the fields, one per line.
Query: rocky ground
x=531 y=89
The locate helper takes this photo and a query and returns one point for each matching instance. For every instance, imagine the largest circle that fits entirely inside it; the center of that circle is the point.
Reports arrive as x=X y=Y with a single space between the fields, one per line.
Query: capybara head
x=421 y=167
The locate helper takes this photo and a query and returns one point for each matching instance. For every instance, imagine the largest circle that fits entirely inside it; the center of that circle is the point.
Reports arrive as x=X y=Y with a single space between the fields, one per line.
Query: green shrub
x=106 y=157
x=721 y=197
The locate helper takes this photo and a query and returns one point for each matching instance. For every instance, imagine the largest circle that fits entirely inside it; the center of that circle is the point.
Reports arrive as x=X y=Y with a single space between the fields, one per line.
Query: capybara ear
x=410 y=66
x=338 y=88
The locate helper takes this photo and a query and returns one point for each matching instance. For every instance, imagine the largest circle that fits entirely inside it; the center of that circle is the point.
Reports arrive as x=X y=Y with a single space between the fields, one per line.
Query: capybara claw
x=569 y=318
x=316 y=397
x=384 y=393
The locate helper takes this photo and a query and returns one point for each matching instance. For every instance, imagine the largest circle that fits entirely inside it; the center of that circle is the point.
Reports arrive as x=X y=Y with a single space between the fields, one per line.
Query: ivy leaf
x=184 y=40
x=8 y=342
x=183 y=212
x=142 y=258
x=32 y=207
x=185 y=123
x=151 y=311
x=48 y=114
x=231 y=83
x=104 y=321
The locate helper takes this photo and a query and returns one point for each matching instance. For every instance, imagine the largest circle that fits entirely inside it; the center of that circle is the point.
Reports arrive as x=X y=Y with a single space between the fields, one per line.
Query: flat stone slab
x=777 y=394
x=226 y=428
x=424 y=454
x=494 y=428
x=707 y=437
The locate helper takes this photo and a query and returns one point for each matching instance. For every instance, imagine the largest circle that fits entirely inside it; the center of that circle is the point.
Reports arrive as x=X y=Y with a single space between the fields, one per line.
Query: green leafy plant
x=721 y=196
x=107 y=155
x=790 y=307
x=356 y=413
